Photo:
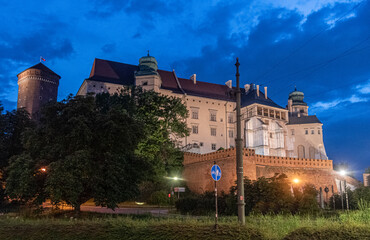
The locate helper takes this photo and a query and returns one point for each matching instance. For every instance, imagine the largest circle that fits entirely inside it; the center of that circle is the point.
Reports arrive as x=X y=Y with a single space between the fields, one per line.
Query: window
x=312 y=131
x=213 y=117
x=201 y=144
x=230 y=118
x=259 y=111
x=213 y=146
x=231 y=133
x=213 y=131
x=301 y=153
x=195 y=129
x=270 y=135
x=265 y=112
x=194 y=114
x=272 y=113
x=306 y=131
x=292 y=131
x=318 y=131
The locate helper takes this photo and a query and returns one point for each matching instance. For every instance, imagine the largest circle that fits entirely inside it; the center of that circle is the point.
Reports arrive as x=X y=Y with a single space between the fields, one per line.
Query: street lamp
x=43 y=169
x=296 y=180
x=343 y=173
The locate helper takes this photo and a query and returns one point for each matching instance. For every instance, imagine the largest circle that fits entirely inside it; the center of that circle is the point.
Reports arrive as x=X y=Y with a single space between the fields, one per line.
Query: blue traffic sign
x=216 y=172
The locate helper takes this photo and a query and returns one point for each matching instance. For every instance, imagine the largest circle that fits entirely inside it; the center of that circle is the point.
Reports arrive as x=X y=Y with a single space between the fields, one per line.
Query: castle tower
x=147 y=77
x=296 y=105
x=37 y=85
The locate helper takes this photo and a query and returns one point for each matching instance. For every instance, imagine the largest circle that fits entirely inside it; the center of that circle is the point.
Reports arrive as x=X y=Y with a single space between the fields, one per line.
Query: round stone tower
x=37 y=86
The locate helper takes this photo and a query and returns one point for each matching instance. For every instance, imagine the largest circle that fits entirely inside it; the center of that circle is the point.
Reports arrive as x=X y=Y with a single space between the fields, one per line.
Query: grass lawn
x=354 y=225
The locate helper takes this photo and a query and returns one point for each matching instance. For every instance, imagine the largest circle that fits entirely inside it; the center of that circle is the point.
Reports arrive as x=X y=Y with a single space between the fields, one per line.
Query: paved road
x=153 y=211
x=129 y=210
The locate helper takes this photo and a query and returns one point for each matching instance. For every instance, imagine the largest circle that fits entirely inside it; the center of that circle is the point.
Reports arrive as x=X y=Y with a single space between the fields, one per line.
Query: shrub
x=329 y=233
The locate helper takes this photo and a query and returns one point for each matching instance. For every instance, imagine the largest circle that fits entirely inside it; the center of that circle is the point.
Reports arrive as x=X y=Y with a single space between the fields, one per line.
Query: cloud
x=22 y=51
x=322 y=106
x=364 y=88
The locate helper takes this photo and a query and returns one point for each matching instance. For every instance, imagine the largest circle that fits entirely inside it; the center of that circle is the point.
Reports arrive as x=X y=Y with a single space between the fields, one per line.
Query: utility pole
x=239 y=151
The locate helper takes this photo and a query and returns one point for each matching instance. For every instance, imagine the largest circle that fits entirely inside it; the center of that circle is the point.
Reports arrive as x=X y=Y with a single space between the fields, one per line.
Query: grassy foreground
x=355 y=225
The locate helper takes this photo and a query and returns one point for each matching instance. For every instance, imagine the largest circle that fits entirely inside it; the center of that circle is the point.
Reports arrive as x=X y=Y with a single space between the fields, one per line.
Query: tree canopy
x=99 y=147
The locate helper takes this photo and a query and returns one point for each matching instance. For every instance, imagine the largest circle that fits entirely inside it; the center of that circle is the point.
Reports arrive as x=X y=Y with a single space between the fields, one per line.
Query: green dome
x=297 y=97
x=147 y=66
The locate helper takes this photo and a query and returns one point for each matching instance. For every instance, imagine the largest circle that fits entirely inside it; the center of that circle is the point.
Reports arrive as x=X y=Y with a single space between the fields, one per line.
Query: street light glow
x=43 y=169
x=175 y=178
x=343 y=172
x=296 y=180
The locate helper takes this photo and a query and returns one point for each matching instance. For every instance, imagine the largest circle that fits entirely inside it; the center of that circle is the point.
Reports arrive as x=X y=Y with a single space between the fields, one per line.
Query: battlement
x=293 y=162
x=190 y=158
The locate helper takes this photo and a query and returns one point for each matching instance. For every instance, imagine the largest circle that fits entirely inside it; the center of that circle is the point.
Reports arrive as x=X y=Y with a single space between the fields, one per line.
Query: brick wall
x=197 y=170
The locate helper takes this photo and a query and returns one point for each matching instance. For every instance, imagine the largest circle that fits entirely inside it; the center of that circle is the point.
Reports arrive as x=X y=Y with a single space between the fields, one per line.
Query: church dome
x=147 y=66
x=297 y=97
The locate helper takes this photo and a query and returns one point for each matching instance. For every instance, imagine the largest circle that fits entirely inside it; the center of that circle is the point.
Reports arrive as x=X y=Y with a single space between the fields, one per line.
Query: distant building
x=366 y=179
x=269 y=129
x=37 y=85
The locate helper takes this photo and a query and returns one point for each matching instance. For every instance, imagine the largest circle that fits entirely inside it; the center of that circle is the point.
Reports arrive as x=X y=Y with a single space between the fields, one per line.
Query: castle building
x=269 y=129
x=37 y=86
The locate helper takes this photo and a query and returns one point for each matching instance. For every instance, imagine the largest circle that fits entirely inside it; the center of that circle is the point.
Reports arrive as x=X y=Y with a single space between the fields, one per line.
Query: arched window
x=312 y=153
x=301 y=151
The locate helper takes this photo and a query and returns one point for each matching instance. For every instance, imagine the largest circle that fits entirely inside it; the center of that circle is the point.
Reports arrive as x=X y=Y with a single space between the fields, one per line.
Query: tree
x=12 y=127
x=99 y=147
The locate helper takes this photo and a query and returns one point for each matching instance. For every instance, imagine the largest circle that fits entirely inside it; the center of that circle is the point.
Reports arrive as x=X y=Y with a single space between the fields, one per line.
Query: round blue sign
x=216 y=172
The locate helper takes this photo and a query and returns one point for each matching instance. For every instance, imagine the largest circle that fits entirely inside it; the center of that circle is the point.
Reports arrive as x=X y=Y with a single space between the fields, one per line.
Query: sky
x=321 y=46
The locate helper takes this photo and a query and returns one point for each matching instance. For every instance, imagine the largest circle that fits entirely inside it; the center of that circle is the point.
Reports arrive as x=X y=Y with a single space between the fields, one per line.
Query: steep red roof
x=121 y=73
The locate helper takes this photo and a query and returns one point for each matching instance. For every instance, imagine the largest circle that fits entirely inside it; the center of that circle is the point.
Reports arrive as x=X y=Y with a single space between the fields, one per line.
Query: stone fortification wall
x=197 y=170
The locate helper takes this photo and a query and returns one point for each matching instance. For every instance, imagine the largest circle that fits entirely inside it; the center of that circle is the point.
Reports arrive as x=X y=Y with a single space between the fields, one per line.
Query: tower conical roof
x=42 y=67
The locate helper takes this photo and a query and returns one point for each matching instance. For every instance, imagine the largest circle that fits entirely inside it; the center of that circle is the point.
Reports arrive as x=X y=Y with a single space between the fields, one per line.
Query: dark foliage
x=99 y=147
x=265 y=195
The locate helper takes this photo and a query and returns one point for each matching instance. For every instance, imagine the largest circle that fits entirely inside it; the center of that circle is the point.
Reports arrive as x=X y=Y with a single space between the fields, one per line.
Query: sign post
x=216 y=175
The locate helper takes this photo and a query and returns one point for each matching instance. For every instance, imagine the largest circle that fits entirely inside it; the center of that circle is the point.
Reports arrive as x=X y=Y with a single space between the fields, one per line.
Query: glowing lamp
x=296 y=180
x=343 y=172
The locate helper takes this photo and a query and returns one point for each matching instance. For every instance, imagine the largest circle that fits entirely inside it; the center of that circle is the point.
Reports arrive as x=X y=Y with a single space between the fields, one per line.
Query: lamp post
x=343 y=173
x=295 y=181
x=239 y=151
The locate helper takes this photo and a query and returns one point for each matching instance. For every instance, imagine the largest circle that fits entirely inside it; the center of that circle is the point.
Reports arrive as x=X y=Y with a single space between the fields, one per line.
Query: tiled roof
x=303 y=119
x=251 y=97
x=42 y=67
x=124 y=74
x=113 y=72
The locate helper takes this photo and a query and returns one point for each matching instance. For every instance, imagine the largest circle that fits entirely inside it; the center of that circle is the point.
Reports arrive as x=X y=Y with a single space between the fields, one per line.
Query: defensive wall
x=319 y=172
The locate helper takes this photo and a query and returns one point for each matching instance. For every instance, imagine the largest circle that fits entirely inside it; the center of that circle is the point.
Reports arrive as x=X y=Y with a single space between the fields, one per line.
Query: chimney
x=229 y=84
x=258 y=90
x=247 y=87
x=265 y=92
x=194 y=78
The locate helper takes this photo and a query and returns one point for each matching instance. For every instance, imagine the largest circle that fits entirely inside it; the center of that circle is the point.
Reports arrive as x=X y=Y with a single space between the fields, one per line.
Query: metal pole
x=332 y=190
x=239 y=151
x=341 y=194
x=216 y=215
x=345 y=189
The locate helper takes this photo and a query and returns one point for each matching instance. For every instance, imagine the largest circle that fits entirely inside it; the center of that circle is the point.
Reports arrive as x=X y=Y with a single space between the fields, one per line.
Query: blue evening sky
x=320 y=46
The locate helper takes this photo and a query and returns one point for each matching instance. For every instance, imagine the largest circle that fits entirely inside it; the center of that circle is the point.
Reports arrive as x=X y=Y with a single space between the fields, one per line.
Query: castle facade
x=269 y=129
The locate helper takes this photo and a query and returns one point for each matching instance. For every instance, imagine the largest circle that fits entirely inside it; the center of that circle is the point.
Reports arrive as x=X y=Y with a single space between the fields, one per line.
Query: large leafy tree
x=12 y=127
x=98 y=147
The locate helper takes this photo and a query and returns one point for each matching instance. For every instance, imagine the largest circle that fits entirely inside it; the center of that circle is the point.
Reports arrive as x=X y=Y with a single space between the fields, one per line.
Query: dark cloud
x=109 y=48
x=285 y=49
x=23 y=51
